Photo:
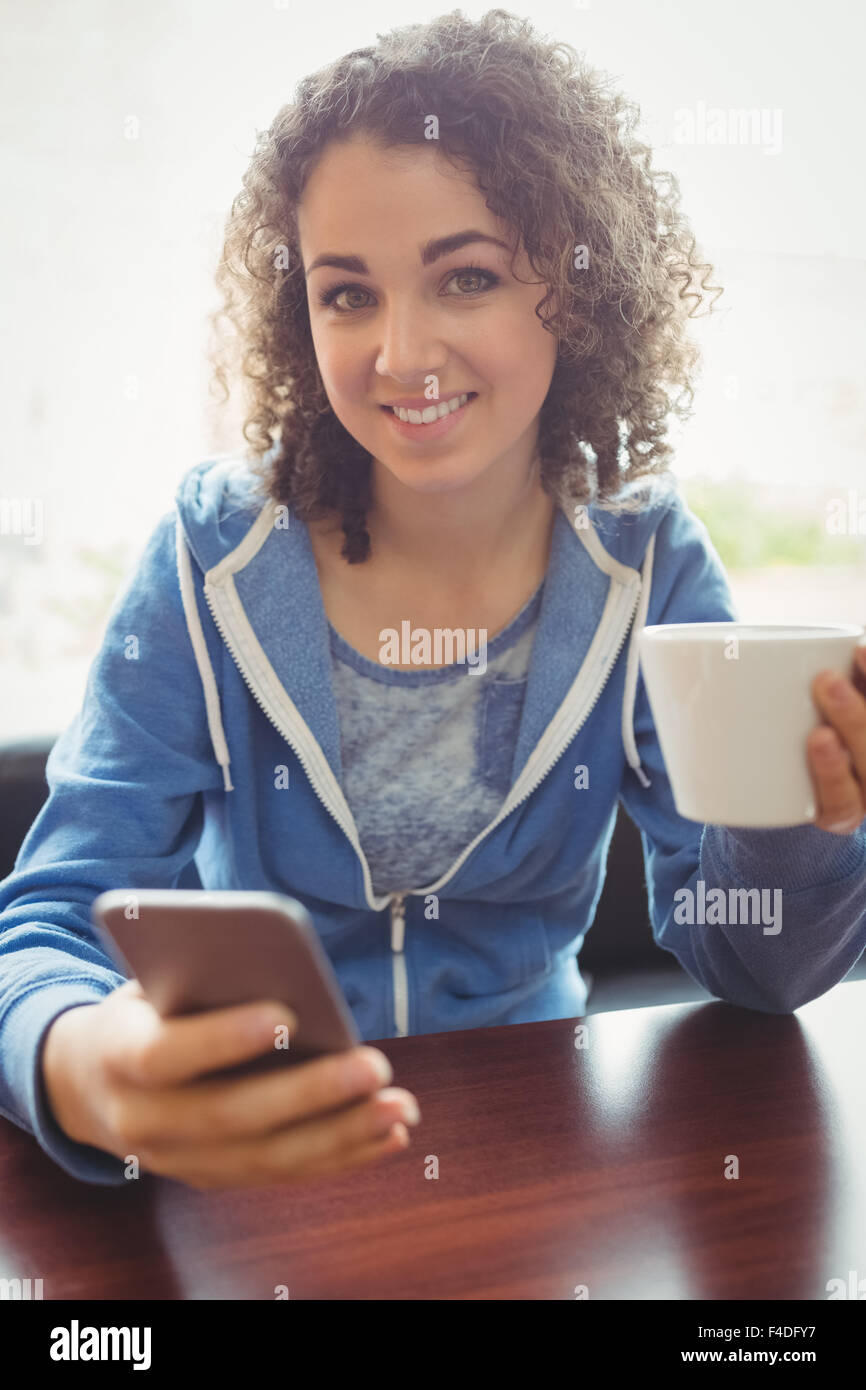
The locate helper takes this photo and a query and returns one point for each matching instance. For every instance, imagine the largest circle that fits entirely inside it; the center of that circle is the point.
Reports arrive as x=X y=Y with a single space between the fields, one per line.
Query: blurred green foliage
x=749 y=533
x=91 y=584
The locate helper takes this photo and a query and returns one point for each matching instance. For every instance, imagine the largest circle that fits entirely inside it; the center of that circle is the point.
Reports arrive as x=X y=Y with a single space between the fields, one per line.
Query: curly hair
x=554 y=152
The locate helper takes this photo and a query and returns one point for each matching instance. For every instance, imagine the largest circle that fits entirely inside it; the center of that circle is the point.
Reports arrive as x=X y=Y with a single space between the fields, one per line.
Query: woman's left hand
x=837 y=755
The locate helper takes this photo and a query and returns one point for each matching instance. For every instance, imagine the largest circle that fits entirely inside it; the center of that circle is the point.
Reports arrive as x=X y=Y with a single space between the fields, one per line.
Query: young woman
x=387 y=662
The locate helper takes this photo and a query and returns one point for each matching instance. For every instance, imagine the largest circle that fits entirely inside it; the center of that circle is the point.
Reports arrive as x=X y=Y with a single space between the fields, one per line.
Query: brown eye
x=355 y=289
x=469 y=275
x=484 y=280
x=328 y=297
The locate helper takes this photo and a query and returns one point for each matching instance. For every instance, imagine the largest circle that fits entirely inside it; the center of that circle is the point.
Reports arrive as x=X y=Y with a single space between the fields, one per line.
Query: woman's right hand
x=120 y=1077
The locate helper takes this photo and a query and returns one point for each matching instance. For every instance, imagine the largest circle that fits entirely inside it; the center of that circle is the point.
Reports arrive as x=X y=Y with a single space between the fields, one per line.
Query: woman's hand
x=121 y=1078
x=837 y=755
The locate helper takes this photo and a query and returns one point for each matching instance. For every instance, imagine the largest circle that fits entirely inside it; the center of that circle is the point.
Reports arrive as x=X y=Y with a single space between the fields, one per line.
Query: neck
x=462 y=535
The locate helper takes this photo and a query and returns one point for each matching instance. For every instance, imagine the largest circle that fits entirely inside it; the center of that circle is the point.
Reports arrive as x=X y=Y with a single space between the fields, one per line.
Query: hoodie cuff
x=796 y=857
x=24 y=1038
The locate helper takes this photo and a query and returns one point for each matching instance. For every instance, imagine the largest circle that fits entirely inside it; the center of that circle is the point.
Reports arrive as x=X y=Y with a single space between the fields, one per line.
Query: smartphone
x=193 y=949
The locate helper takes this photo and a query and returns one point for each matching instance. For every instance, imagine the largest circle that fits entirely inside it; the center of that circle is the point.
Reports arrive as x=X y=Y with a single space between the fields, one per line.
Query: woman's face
x=409 y=310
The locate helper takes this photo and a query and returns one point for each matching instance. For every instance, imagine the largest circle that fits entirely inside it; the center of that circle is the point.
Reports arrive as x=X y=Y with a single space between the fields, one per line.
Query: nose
x=410 y=347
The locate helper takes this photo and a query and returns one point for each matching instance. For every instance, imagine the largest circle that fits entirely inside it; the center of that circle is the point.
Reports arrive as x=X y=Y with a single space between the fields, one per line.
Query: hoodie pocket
x=512 y=958
x=502 y=705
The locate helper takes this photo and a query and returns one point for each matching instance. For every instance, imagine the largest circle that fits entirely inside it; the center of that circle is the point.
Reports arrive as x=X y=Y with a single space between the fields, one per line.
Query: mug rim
x=817 y=631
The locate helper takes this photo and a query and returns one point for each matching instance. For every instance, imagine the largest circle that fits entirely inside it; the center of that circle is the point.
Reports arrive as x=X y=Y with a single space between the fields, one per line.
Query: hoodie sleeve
x=124 y=809
x=815 y=880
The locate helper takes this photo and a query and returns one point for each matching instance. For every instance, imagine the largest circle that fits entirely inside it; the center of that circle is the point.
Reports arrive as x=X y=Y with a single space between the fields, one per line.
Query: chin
x=430 y=476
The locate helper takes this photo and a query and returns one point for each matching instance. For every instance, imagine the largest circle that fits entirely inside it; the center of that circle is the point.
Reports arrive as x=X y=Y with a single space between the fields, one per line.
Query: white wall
x=107 y=247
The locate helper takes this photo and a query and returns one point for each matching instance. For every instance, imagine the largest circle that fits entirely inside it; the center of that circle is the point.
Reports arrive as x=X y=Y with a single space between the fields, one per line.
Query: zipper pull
x=398 y=921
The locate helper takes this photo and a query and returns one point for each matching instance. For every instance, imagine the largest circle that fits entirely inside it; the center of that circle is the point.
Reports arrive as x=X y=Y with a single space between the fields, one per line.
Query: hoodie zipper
x=278 y=725
x=398 y=964
x=396 y=901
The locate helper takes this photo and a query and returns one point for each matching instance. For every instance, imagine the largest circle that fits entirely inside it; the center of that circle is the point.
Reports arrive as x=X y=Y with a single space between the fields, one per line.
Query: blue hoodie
x=208 y=740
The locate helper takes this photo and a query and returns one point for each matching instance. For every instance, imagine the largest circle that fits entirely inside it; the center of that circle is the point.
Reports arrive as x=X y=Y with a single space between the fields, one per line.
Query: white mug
x=733 y=708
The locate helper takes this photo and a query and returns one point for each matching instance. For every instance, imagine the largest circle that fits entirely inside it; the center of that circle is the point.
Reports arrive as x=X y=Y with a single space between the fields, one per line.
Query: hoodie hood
x=242 y=550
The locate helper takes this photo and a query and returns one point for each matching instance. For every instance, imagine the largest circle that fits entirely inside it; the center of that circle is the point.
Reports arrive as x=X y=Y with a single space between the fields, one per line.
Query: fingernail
x=371 y=1057
x=393 y=1102
x=410 y=1112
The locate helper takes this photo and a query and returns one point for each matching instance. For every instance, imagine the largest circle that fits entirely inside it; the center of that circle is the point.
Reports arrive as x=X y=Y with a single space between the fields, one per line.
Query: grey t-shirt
x=427 y=754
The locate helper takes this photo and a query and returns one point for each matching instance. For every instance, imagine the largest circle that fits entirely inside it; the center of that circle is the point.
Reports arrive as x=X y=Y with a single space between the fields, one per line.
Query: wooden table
x=558 y=1167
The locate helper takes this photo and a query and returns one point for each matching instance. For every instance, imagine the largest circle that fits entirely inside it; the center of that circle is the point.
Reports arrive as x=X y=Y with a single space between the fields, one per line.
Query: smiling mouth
x=432 y=413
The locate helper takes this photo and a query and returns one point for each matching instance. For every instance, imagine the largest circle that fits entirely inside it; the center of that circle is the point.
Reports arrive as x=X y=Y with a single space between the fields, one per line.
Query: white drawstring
x=205 y=670
x=632 y=666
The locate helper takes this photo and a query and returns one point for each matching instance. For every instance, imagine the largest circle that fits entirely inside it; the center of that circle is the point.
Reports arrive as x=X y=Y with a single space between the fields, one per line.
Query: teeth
x=433 y=412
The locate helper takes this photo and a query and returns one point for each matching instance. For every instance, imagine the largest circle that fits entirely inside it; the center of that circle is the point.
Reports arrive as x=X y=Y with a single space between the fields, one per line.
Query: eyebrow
x=431 y=251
